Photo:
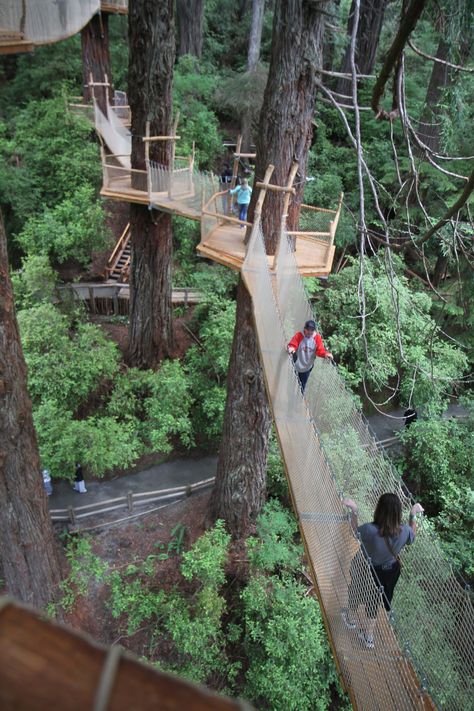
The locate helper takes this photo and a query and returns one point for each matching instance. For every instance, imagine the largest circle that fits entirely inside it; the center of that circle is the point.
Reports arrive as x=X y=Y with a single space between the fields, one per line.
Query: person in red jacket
x=304 y=347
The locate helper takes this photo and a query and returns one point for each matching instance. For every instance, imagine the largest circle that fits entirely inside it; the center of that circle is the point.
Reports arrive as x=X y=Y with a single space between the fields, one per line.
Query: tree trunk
x=96 y=59
x=368 y=34
x=151 y=39
x=258 y=9
x=190 y=25
x=284 y=135
x=430 y=128
x=286 y=118
x=30 y=557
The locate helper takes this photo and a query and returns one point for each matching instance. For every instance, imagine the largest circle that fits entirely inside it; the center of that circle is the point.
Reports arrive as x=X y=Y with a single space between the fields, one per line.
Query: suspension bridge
x=423 y=656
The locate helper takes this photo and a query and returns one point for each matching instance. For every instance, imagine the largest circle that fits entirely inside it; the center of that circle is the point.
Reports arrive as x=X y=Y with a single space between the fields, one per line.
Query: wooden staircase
x=118 y=266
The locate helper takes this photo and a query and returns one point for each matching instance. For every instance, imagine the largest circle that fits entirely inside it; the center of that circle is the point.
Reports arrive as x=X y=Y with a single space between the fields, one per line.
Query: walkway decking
x=225 y=245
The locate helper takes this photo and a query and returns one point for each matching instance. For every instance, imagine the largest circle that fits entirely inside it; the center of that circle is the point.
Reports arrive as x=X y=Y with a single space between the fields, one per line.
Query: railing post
x=72 y=515
x=130 y=501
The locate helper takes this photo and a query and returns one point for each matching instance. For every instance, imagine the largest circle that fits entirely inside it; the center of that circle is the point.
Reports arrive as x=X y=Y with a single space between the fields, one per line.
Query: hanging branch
x=439 y=61
x=468 y=188
x=407 y=25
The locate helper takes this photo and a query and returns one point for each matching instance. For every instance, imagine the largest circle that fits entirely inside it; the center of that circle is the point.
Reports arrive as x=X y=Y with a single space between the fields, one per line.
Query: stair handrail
x=118 y=249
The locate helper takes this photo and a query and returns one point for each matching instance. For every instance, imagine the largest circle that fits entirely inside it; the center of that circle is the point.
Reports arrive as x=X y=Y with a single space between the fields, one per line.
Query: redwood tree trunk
x=29 y=554
x=152 y=50
x=258 y=9
x=371 y=15
x=430 y=128
x=284 y=135
x=190 y=24
x=96 y=59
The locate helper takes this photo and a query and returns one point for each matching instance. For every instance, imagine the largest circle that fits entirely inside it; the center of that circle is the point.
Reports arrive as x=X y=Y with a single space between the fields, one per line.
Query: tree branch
x=436 y=59
x=468 y=188
x=407 y=24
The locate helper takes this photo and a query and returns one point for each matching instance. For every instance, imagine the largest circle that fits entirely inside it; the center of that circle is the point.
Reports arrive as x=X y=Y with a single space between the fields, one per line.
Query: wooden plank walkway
x=225 y=245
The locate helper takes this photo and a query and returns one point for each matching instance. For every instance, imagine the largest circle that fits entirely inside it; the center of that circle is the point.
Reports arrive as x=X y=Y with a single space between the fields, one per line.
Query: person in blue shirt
x=244 y=193
x=382 y=540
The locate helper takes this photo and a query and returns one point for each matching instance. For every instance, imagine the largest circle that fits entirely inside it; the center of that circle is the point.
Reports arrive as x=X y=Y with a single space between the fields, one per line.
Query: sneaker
x=367 y=640
x=348 y=620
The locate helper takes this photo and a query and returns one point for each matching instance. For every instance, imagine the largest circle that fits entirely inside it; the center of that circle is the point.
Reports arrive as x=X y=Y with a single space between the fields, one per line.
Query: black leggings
x=361 y=590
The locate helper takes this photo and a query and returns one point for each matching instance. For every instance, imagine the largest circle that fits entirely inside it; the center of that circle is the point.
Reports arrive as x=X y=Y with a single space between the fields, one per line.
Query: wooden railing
x=114 y=299
x=117 y=253
x=322 y=236
x=129 y=501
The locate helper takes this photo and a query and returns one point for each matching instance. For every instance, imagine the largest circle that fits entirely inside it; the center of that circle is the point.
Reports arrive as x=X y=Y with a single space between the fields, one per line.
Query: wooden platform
x=121 y=190
x=13 y=42
x=225 y=245
x=115 y=8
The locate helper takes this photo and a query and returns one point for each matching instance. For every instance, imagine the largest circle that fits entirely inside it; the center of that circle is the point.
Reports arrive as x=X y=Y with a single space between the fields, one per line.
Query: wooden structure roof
x=48 y=667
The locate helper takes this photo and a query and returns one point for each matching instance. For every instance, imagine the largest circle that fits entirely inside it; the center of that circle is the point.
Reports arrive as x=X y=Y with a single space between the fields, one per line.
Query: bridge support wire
x=383 y=677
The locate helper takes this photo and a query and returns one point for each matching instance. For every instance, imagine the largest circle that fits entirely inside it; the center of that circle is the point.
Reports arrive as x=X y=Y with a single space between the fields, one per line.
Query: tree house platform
x=188 y=193
x=13 y=42
x=225 y=245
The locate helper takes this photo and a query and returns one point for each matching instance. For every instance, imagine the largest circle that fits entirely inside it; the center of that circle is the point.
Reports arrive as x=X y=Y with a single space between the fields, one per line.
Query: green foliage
x=439 y=460
x=84 y=567
x=56 y=154
x=66 y=362
x=277 y=485
x=34 y=283
x=198 y=123
x=196 y=628
x=290 y=664
x=155 y=404
x=133 y=598
x=72 y=229
x=99 y=443
x=274 y=549
x=400 y=338
x=205 y=561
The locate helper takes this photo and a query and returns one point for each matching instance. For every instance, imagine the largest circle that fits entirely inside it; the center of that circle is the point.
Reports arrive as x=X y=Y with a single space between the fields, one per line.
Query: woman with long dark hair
x=382 y=540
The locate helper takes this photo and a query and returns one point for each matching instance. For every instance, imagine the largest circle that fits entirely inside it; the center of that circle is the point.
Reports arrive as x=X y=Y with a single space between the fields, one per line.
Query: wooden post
x=147 y=161
x=116 y=303
x=72 y=515
x=261 y=197
x=235 y=166
x=92 y=299
x=130 y=501
x=173 y=155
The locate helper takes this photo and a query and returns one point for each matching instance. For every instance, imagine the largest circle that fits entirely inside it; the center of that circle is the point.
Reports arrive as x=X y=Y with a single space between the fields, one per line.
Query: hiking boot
x=349 y=621
x=366 y=639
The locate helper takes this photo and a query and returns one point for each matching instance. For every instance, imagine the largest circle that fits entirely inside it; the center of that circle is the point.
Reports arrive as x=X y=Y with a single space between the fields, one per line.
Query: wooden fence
x=114 y=299
x=129 y=501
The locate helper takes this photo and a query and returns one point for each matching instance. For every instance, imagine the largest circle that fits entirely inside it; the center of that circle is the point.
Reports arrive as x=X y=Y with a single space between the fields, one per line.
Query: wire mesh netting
x=328 y=450
x=312 y=219
x=45 y=21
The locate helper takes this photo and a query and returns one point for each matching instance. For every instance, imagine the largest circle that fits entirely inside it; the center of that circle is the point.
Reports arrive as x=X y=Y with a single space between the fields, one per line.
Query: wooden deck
x=14 y=42
x=225 y=245
x=121 y=190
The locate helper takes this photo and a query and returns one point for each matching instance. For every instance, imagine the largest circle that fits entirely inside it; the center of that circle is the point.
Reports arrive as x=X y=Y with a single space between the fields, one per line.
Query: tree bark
x=190 y=25
x=284 y=135
x=152 y=50
x=29 y=554
x=96 y=60
x=371 y=16
x=286 y=118
x=253 y=56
